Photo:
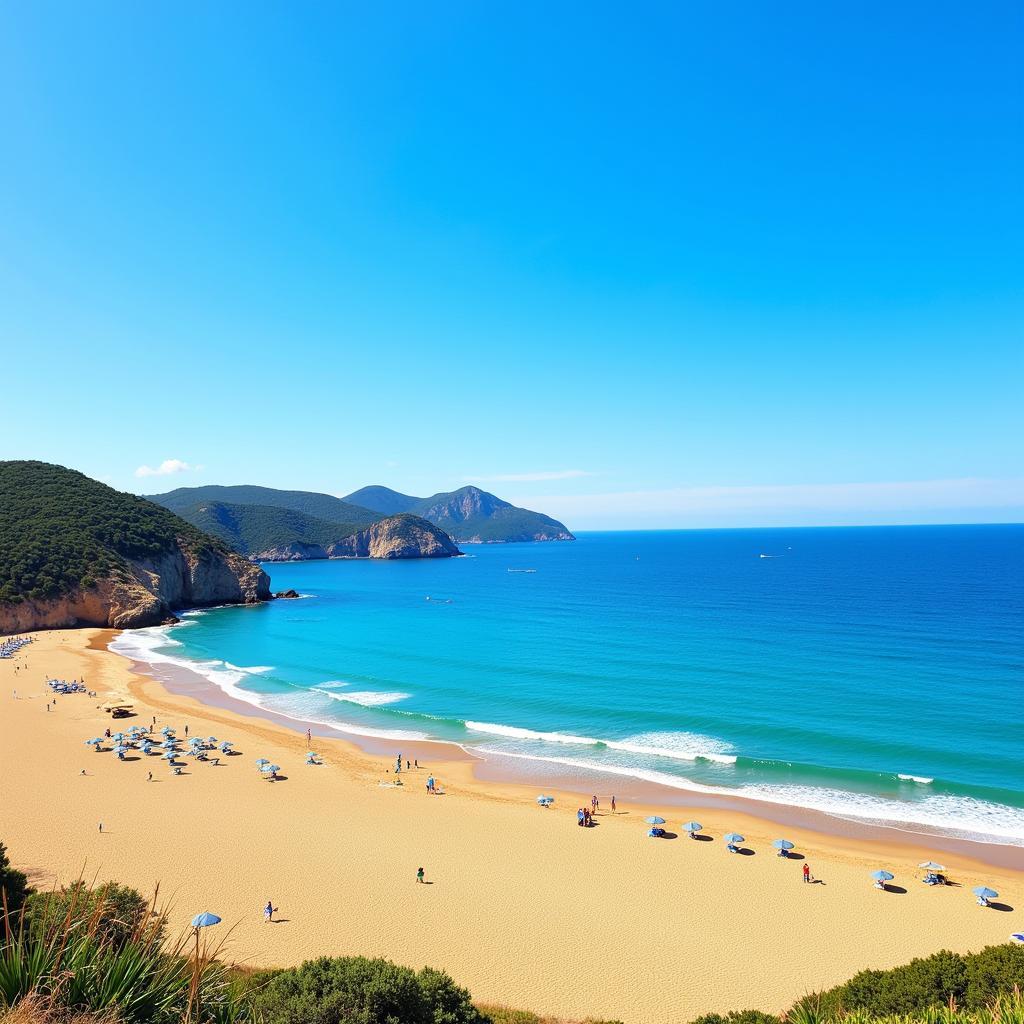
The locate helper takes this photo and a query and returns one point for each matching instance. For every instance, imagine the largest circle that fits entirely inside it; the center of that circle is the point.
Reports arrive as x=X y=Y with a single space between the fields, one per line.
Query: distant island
x=271 y=525
x=75 y=552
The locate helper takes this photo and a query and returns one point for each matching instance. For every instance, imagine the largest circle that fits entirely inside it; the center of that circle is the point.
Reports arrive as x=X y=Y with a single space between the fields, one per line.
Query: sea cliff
x=145 y=592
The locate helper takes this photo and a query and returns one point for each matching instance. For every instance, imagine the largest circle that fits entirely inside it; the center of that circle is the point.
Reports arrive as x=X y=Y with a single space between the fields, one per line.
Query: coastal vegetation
x=60 y=530
x=74 y=551
x=252 y=529
x=102 y=955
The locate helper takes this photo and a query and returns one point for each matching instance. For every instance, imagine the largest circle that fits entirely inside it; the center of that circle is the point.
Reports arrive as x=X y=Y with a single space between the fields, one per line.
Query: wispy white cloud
x=517 y=478
x=167 y=468
x=908 y=500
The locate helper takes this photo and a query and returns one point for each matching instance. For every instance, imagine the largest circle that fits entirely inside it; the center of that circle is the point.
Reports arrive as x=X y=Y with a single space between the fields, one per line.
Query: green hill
x=74 y=551
x=310 y=503
x=252 y=529
x=60 y=530
x=383 y=500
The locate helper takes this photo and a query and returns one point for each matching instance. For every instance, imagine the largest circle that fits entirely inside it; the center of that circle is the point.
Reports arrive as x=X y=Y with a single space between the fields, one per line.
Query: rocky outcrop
x=296 y=552
x=402 y=536
x=144 y=593
x=287 y=595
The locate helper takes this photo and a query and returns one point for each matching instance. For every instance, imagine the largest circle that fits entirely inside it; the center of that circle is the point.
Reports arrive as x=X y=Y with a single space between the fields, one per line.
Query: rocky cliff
x=145 y=593
x=401 y=536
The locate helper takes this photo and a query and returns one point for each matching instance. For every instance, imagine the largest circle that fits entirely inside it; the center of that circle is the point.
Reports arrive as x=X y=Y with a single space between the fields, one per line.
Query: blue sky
x=672 y=265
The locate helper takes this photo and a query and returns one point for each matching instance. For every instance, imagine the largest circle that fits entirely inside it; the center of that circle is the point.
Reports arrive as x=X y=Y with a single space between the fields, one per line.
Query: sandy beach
x=523 y=908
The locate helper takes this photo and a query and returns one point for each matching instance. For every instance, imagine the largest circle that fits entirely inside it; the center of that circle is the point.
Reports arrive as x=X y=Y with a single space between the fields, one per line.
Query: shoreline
x=496 y=768
x=525 y=908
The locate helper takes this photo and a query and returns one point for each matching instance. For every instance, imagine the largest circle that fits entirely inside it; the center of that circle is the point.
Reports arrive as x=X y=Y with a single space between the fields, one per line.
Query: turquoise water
x=874 y=673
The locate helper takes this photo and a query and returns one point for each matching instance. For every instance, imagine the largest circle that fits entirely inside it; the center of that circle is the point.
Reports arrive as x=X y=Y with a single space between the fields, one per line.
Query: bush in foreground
x=13 y=884
x=116 y=913
x=355 y=990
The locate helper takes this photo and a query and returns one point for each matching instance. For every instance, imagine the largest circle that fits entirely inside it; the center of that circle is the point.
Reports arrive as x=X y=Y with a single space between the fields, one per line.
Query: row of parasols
x=732 y=839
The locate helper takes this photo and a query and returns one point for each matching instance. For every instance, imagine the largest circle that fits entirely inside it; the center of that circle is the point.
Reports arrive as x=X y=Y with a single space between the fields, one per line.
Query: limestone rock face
x=401 y=536
x=297 y=552
x=146 y=593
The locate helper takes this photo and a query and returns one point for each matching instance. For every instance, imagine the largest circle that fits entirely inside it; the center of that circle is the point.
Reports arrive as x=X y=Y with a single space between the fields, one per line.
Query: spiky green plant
x=71 y=962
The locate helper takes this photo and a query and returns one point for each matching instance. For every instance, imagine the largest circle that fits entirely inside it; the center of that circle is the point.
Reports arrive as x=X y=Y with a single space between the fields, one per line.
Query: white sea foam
x=962 y=817
x=923 y=779
x=366 y=698
x=514 y=732
x=681 y=746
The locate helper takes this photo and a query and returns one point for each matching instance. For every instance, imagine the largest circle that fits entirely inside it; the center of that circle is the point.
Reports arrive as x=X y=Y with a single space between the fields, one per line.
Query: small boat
x=767 y=556
x=522 y=570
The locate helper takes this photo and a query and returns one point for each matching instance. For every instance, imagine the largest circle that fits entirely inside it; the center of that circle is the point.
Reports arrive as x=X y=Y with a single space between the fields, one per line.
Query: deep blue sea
x=874 y=673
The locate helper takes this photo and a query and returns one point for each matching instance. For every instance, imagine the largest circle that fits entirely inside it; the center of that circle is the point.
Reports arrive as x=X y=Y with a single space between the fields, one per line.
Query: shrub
x=114 y=913
x=356 y=990
x=13 y=884
x=738 y=1017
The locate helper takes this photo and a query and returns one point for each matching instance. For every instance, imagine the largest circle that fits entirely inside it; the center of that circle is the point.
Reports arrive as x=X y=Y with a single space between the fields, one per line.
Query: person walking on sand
x=268 y=912
x=149 y=776
x=186 y=728
x=420 y=873
x=309 y=738
x=613 y=803
x=101 y=826
x=807 y=872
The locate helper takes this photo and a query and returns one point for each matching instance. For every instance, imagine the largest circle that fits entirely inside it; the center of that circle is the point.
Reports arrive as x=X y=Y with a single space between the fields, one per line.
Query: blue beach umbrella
x=654 y=820
x=167 y=730
x=692 y=826
x=985 y=892
x=205 y=920
x=883 y=876
x=783 y=844
x=93 y=743
x=211 y=739
x=734 y=837
x=120 y=749
x=262 y=761
x=545 y=800
x=1017 y=936
x=226 y=746
x=169 y=756
x=930 y=865
x=270 y=768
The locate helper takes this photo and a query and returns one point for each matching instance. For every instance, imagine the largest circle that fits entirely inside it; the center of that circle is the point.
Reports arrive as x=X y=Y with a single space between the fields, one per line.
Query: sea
x=875 y=674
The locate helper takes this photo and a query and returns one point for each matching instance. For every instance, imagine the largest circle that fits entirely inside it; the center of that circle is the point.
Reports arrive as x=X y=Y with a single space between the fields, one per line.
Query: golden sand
x=523 y=908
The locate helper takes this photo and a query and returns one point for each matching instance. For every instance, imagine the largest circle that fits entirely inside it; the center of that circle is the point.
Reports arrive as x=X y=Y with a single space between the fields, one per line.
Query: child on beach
x=268 y=912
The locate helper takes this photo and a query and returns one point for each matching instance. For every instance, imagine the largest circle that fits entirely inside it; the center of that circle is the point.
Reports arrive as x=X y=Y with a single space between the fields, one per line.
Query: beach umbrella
x=211 y=739
x=166 y=730
x=120 y=748
x=205 y=920
x=692 y=826
x=883 y=876
x=733 y=837
x=169 y=756
x=545 y=800
x=1017 y=936
x=654 y=820
x=270 y=768
x=226 y=746
x=310 y=753
x=261 y=761
x=985 y=892
x=931 y=865
x=783 y=844
x=93 y=743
